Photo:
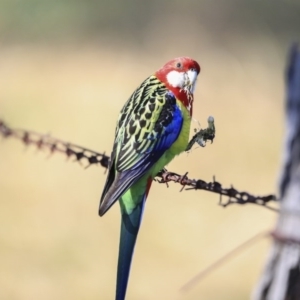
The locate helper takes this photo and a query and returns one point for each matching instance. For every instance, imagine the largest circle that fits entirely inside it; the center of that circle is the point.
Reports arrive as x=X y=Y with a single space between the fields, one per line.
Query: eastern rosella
x=153 y=127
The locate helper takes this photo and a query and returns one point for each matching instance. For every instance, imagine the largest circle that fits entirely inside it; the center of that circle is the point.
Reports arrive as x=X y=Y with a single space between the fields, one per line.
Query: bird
x=153 y=127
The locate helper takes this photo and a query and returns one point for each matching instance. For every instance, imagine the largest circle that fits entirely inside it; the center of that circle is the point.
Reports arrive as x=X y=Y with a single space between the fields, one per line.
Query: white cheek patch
x=176 y=79
x=193 y=78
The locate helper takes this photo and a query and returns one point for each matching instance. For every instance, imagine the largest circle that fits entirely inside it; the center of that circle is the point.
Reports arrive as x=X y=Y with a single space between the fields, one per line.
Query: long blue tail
x=130 y=225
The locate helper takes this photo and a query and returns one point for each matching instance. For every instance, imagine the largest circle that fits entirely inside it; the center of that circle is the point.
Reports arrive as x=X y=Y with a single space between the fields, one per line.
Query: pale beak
x=190 y=78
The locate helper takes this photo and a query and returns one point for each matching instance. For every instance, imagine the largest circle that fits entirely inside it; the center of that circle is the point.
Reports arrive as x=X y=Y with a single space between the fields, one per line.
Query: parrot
x=153 y=127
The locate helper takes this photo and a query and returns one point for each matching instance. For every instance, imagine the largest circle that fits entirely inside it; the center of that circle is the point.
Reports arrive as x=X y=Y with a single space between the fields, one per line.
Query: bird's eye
x=192 y=69
x=178 y=65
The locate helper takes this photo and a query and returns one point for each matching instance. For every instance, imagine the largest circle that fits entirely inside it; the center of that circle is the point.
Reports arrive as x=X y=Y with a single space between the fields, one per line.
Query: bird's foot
x=203 y=135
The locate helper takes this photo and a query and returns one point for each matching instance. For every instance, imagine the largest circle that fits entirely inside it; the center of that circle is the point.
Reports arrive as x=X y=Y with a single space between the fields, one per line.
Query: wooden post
x=281 y=277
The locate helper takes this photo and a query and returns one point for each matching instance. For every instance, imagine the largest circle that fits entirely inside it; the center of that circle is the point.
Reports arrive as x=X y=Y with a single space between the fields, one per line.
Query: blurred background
x=67 y=68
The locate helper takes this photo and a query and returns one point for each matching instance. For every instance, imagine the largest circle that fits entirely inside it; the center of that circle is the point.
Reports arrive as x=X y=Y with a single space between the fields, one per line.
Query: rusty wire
x=79 y=153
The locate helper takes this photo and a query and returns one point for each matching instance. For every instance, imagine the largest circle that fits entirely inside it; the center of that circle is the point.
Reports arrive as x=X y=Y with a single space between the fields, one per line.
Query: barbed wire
x=79 y=153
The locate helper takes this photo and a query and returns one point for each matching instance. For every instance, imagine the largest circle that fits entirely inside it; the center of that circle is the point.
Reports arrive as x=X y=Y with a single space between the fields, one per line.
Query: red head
x=180 y=75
